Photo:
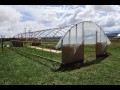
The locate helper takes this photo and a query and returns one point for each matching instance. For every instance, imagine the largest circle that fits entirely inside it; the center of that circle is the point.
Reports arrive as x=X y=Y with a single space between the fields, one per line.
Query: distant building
x=118 y=36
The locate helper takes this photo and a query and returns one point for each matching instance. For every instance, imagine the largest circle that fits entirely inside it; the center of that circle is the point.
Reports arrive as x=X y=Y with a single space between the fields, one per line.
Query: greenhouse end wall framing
x=70 y=40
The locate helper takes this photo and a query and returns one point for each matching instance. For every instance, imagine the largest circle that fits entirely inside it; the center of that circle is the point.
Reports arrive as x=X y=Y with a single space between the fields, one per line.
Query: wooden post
x=69 y=37
x=76 y=32
x=62 y=49
x=106 y=45
x=96 y=44
x=83 y=38
x=2 y=43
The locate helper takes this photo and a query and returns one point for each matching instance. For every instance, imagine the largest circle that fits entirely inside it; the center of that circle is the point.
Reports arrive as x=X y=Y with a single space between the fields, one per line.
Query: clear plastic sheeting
x=101 y=47
x=58 y=46
x=71 y=40
x=86 y=32
x=89 y=37
x=83 y=33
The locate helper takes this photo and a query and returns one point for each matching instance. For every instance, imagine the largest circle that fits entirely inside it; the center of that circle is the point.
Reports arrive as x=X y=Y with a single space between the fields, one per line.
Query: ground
x=18 y=69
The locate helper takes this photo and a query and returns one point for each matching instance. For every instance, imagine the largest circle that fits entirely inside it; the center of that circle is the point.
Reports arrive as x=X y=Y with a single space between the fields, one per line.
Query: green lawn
x=49 y=55
x=26 y=69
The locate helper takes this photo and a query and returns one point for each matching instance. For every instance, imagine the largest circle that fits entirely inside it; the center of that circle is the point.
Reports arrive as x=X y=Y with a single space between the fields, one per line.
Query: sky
x=15 y=18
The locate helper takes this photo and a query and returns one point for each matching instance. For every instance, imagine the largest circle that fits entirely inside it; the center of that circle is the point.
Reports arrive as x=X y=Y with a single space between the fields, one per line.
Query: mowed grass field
x=24 y=69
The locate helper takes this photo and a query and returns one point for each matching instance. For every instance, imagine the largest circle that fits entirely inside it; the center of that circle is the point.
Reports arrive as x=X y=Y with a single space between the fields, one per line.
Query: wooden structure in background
x=17 y=43
x=36 y=42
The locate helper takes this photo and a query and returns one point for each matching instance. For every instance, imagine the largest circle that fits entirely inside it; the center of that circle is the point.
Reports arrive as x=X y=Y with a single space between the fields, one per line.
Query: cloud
x=14 y=18
x=8 y=15
x=105 y=8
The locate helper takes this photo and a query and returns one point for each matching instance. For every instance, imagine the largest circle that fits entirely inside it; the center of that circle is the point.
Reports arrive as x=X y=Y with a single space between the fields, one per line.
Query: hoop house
x=70 y=40
x=83 y=33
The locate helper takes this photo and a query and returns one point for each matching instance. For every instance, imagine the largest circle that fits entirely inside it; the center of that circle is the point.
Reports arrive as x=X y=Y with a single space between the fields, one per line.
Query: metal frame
x=52 y=34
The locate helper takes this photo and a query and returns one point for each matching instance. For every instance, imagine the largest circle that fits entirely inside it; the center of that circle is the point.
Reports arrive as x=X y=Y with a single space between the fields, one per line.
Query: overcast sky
x=14 y=18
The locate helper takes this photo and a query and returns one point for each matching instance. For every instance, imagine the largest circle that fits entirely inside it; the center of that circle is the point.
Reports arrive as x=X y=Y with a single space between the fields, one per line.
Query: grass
x=54 y=56
x=18 y=69
x=46 y=43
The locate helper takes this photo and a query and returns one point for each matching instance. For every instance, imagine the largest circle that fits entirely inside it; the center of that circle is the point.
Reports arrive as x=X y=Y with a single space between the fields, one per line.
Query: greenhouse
x=65 y=44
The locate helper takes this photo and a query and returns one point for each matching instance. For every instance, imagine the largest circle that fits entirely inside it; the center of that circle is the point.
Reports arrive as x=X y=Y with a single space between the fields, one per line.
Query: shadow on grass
x=31 y=57
x=79 y=65
x=69 y=67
